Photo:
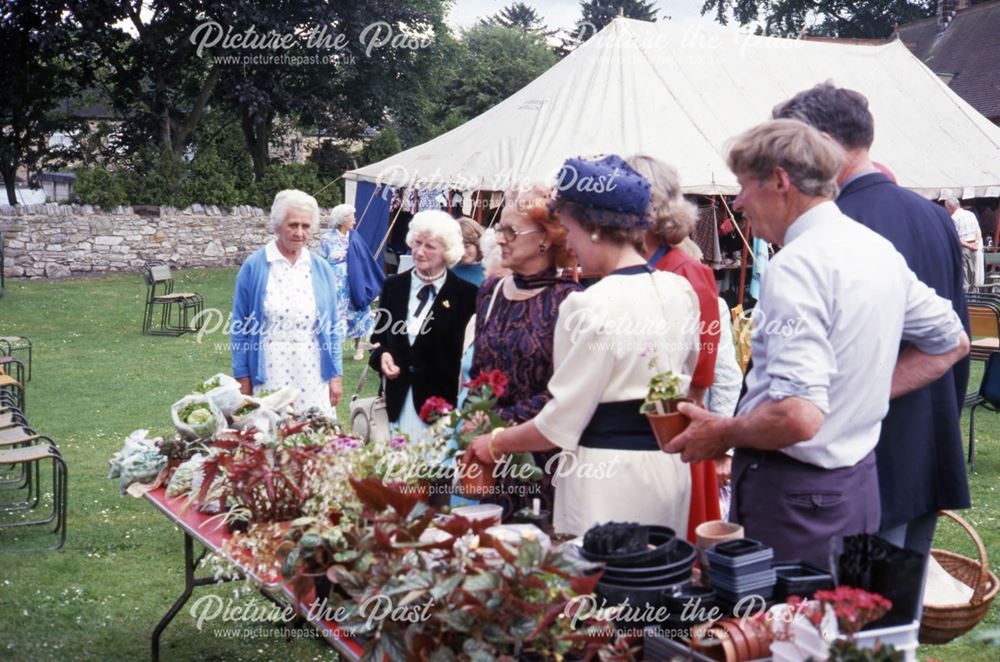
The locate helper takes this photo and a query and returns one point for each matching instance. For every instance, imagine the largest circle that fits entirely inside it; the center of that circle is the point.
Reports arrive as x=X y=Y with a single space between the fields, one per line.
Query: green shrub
x=100 y=187
x=294 y=175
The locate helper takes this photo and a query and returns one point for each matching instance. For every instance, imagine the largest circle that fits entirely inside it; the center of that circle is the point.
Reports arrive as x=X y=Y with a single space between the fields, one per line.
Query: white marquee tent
x=680 y=94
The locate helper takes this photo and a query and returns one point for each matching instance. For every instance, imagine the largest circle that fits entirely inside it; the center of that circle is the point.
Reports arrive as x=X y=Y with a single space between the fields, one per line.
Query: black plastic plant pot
x=698 y=601
x=643 y=603
x=676 y=577
x=800 y=578
x=662 y=539
x=735 y=558
x=681 y=555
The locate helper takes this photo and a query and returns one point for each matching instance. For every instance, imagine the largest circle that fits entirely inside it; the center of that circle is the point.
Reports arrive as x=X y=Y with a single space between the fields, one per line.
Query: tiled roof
x=969 y=50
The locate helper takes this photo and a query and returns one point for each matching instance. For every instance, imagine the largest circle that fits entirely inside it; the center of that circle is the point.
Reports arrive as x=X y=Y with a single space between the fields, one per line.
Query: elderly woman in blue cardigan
x=285 y=328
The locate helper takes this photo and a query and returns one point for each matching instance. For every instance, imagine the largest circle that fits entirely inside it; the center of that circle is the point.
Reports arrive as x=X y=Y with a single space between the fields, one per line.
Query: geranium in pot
x=660 y=405
x=477 y=416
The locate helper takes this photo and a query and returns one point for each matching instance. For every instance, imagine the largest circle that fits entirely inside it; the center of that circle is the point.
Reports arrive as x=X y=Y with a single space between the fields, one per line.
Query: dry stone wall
x=60 y=241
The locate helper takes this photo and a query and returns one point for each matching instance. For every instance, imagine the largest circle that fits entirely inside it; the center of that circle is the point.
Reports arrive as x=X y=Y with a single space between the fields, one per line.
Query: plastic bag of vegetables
x=139 y=460
x=224 y=391
x=264 y=413
x=197 y=416
x=180 y=483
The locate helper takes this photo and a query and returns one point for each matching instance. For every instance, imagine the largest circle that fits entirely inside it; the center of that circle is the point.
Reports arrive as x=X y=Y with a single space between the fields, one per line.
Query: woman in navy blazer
x=421 y=322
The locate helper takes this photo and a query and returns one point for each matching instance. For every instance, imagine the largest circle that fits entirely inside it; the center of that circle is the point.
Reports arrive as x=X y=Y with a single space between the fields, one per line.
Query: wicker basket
x=942 y=623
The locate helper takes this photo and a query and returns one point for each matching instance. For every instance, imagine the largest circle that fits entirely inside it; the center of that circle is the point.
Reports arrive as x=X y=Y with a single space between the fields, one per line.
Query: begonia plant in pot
x=660 y=405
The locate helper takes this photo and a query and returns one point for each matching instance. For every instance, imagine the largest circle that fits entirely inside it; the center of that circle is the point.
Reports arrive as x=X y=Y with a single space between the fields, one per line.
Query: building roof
x=968 y=52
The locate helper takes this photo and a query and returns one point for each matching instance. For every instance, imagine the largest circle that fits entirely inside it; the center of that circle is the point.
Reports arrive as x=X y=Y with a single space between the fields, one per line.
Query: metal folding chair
x=178 y=311
x=32 y=456
x=11 y=345
x=989 y=398
x=12 y=382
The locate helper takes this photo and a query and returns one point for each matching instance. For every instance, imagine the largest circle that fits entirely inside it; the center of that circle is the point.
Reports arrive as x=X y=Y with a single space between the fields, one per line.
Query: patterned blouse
x=517 y=339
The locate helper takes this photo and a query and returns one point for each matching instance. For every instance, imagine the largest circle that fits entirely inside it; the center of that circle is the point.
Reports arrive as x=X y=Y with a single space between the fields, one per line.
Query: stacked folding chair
x=23 y=455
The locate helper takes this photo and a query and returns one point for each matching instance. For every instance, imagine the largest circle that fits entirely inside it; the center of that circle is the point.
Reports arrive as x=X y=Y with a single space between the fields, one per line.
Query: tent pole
x=389 y=231
x=503 y=197
x=736 y=225
x=374 y=192
x=743 y=265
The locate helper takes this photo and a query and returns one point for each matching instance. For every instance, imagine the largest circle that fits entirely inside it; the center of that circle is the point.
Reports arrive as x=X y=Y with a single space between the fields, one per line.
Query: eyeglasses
x=510 y=234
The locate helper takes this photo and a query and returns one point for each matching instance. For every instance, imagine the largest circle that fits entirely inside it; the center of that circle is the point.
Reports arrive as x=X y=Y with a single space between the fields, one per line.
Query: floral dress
x=333 y=247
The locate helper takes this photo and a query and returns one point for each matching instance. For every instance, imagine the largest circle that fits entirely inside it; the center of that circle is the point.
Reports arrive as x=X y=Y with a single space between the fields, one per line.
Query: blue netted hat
x=610 y=187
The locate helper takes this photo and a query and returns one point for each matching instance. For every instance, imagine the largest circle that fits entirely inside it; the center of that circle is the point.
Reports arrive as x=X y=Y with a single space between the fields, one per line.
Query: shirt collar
x=857 y=175
x=416 y=283
x=273 y=255
x=821 y=213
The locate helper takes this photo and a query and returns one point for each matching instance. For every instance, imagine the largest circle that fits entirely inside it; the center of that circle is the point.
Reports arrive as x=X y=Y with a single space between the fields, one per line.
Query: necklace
x=427 y=279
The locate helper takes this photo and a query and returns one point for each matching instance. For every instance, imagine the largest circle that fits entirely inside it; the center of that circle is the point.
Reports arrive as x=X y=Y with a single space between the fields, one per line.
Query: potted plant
x=660 y=405
x=459 y=595
x=829 y=627
x=477 y=478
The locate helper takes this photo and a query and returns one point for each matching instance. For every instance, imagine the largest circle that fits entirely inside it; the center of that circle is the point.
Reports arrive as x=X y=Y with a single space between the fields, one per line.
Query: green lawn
x=96 y=378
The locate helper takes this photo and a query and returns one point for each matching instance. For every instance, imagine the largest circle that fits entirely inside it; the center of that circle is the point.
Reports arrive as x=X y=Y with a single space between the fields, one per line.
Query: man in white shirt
x=969 y=236
x=835 y=303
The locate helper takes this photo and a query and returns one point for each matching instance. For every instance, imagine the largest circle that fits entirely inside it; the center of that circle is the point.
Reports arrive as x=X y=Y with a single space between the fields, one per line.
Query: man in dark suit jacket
x=921 y=466
x=432 y=364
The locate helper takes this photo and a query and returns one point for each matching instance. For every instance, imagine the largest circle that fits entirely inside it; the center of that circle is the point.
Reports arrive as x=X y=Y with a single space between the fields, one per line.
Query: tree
x=382 y=146
x=856 y=19
x=150 y=70
x=381 y=44
x=521 y=16
x=497 y=62
x=43 y=71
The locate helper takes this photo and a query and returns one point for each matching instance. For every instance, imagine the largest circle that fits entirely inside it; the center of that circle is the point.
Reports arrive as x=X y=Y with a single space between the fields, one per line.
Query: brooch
x=446 y=304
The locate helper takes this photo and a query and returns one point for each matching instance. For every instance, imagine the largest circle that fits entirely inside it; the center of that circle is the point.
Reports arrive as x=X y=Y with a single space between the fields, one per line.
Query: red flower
x=433 y=409
x=494 y=379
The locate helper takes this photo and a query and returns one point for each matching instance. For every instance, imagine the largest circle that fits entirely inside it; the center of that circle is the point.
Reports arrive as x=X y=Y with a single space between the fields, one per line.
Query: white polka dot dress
x=291 y=348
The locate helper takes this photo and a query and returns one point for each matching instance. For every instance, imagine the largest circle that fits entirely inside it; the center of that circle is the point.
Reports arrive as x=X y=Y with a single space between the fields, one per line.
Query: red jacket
x=703 y=281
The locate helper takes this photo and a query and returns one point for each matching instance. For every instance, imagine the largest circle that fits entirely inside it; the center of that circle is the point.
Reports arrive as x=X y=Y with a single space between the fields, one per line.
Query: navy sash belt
x=619 y=426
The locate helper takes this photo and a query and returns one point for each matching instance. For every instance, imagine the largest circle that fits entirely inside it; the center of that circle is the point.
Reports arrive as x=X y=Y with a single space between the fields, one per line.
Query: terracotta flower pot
x=475 y=477
x=670 y=424
x=709 y=534
x=740 y=642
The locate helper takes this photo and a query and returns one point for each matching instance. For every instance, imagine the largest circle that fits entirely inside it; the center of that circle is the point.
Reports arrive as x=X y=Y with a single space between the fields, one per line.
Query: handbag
x=369 y=418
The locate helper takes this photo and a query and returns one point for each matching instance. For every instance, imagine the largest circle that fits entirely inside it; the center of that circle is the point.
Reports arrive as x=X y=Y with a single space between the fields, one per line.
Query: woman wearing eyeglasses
x=612 y=468
x=516 y=319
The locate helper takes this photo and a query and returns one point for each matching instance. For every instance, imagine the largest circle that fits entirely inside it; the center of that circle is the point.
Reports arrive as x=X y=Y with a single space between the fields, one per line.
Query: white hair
x=340 y=214
x=441 y=226
x=491 y=252
x=951 y=202
x=288 y=200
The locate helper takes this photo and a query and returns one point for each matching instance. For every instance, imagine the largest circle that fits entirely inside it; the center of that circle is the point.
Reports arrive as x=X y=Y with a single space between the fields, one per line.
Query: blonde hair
x=671 y=216
x=811 y=161
x=442 y=227
x=472 y=232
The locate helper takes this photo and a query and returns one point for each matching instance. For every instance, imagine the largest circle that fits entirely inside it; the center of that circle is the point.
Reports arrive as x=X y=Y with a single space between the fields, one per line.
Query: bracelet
x=491 y=445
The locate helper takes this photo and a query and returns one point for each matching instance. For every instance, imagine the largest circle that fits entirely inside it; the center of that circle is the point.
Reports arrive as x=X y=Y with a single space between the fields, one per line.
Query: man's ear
x=782 y=180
